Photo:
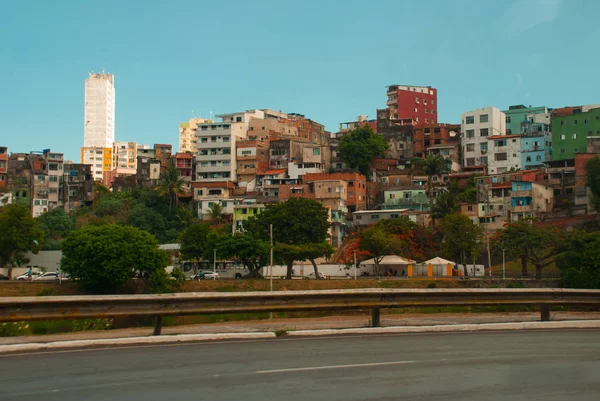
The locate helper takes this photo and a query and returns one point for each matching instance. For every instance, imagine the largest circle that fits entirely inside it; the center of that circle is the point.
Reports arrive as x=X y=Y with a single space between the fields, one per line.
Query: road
x=534 y=365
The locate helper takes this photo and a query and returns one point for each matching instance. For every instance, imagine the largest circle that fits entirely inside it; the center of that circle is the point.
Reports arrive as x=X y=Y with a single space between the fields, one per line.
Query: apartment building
x=504 y=153
x=54 y=170
x=124 y=155
x=99 y=158
x=99 y=111
x=187 y=135
x=206 y=194
x=3 y=167
x=571 y=126
x=477 y=126
x=418 y=103
x=427 y=135
x=251 y=157
x=519 y=114
x=78 y=186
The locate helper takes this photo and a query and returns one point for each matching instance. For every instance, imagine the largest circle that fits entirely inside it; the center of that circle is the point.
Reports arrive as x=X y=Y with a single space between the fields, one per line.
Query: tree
x=379 y=243
x=171 y=184
x=56 y=224
x=105 y=257
x=431 y=166
x=462 y=238
x=532 y=242
x=193 y=241
x=580 y=264
x=313 y=250
x=444 y=205
x=19 y=234
x=251 y=252
x=514 y=240
x=296 y=222
x=592 y=168
x=360 y=146
x=215 y=212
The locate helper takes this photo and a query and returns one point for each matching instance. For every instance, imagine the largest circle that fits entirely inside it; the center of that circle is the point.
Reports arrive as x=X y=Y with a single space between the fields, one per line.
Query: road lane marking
x=358 y=365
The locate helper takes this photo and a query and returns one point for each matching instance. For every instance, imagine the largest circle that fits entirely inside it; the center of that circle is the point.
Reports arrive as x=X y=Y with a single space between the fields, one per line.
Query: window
x=470 y=120
x=500 y=142
x=470 y=133
x=374 y=217
x=203 y=140
x=225 y=139
x=483 y=160
x=316 y=151
x=500 y=157
x=484 y=132
x=433 y=102
x=470 y=208
x=586 y=121
x=508 y=119
x=329 y=189
x=483 y=147
x=53 y=178
x=416 y=110
x=574 y=122
x=424 y=101
x=562 y=151
x=576 y=150
x=562 y=137
x=483 y=118
x=357 y=217
x=471 y=161
x=470 y=147
x=528 y=159
x=508 y=131
x=574 y=136
x=538 y=158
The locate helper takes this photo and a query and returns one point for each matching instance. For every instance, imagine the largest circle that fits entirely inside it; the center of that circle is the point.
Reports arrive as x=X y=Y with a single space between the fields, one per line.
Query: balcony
x=213 y=157
x=521 y=194
x=211 y=145
x=206 y=169
x=521 y=209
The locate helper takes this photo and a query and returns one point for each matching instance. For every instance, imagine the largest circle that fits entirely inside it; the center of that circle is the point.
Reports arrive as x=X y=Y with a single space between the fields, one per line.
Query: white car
x=25 y=276
x=205 y=275
x=312 y=276
x=48 y=276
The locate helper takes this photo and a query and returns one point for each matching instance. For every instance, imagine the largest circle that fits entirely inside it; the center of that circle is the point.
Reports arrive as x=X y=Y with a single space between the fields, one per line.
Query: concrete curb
x=580 y=324
x=150 y=340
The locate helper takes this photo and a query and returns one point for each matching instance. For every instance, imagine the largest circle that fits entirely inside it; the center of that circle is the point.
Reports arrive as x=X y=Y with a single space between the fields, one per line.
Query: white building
x=99 y=121
x=216 y=145
x=476 y=127
x=504 y=153
x=187 y=134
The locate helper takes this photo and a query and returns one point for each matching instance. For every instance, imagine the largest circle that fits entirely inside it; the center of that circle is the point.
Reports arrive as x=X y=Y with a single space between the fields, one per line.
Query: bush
x=14 y=329
x=431 y=285
x=105 y=257
x=92 y=324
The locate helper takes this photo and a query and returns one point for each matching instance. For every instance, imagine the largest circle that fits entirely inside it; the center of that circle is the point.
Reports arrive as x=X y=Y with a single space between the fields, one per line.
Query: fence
x=76 y=307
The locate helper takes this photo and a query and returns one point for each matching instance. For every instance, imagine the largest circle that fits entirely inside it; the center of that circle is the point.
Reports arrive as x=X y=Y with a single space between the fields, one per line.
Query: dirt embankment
x=16 y=289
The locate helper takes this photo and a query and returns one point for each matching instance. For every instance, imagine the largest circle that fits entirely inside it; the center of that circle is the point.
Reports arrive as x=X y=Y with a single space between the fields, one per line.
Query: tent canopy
x=438 y=261
x=389 y=260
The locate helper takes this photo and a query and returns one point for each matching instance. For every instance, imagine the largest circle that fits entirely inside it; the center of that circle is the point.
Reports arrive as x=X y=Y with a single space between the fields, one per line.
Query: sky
x=329 y=60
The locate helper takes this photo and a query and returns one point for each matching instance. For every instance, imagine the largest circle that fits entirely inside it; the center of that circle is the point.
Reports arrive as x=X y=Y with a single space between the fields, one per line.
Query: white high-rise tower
x=99 y=122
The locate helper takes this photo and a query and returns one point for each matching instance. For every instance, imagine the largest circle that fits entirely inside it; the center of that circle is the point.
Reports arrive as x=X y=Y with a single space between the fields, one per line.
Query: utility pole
x=355 y=265
x=503 y=266
x=215 y=264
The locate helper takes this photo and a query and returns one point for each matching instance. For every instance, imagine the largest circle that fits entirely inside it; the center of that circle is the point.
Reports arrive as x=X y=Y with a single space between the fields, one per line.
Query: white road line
x=358 y=365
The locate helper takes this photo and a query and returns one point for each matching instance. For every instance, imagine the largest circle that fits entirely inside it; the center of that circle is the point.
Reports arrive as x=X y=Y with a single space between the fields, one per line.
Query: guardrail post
x=375 y=317
x=545 y=312
x=157 y=325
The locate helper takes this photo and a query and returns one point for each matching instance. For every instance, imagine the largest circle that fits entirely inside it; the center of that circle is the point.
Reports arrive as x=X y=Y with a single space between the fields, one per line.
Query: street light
x=215 y=265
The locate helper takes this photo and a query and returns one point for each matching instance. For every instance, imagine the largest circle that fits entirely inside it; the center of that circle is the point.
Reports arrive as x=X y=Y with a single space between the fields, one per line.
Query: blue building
x=521 y=205
x=536 y=141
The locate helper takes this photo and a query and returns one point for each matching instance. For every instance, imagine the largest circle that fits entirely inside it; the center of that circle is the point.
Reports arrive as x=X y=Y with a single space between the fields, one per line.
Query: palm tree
x=431 y=166
x=445 y=204
x=171 y=184
x=216 y=212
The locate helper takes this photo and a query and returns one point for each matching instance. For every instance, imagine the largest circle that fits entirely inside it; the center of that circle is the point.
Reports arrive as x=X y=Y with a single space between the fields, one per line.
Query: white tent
x=389 y=260
x=438 y=261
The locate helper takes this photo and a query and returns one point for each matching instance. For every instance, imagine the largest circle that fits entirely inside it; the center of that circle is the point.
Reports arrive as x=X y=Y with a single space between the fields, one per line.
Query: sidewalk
x=330 y=322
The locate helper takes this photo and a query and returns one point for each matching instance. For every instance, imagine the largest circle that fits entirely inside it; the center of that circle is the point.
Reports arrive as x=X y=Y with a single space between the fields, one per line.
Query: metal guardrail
x=77 y=307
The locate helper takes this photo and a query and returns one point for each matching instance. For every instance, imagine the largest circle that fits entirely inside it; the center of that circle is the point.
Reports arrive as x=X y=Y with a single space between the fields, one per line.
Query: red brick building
x=413 y=102
x=426 y=135
x=357 y=187
x=3 y=167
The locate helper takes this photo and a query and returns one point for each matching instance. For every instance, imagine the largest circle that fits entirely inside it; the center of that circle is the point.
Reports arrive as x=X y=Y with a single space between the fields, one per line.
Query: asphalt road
x=537 y=365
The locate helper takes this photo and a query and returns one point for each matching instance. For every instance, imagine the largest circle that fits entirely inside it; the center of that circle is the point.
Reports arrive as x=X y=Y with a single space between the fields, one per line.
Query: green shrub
x=431 y=285
x=92 y=324
x=14 y=329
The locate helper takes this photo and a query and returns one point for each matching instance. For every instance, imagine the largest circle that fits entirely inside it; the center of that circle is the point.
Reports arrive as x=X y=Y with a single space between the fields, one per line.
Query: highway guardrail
x=159 y=305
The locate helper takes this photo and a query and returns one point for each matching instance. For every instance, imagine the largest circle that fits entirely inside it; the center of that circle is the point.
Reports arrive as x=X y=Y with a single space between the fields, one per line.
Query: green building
x=516 y=115
x=570 y=132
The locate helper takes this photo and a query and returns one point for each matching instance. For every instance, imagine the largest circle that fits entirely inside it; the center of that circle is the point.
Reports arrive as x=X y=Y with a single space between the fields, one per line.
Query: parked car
x=50 y=276
x=312 y=276
x=25 y=276
x=205 y=275
x=3 y=277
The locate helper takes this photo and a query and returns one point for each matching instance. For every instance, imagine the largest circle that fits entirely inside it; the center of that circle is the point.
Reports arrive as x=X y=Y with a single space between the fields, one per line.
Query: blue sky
x=329 y=60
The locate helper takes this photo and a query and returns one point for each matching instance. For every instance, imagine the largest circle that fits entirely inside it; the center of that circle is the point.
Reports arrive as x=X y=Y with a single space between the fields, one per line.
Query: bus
x=225 y=268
